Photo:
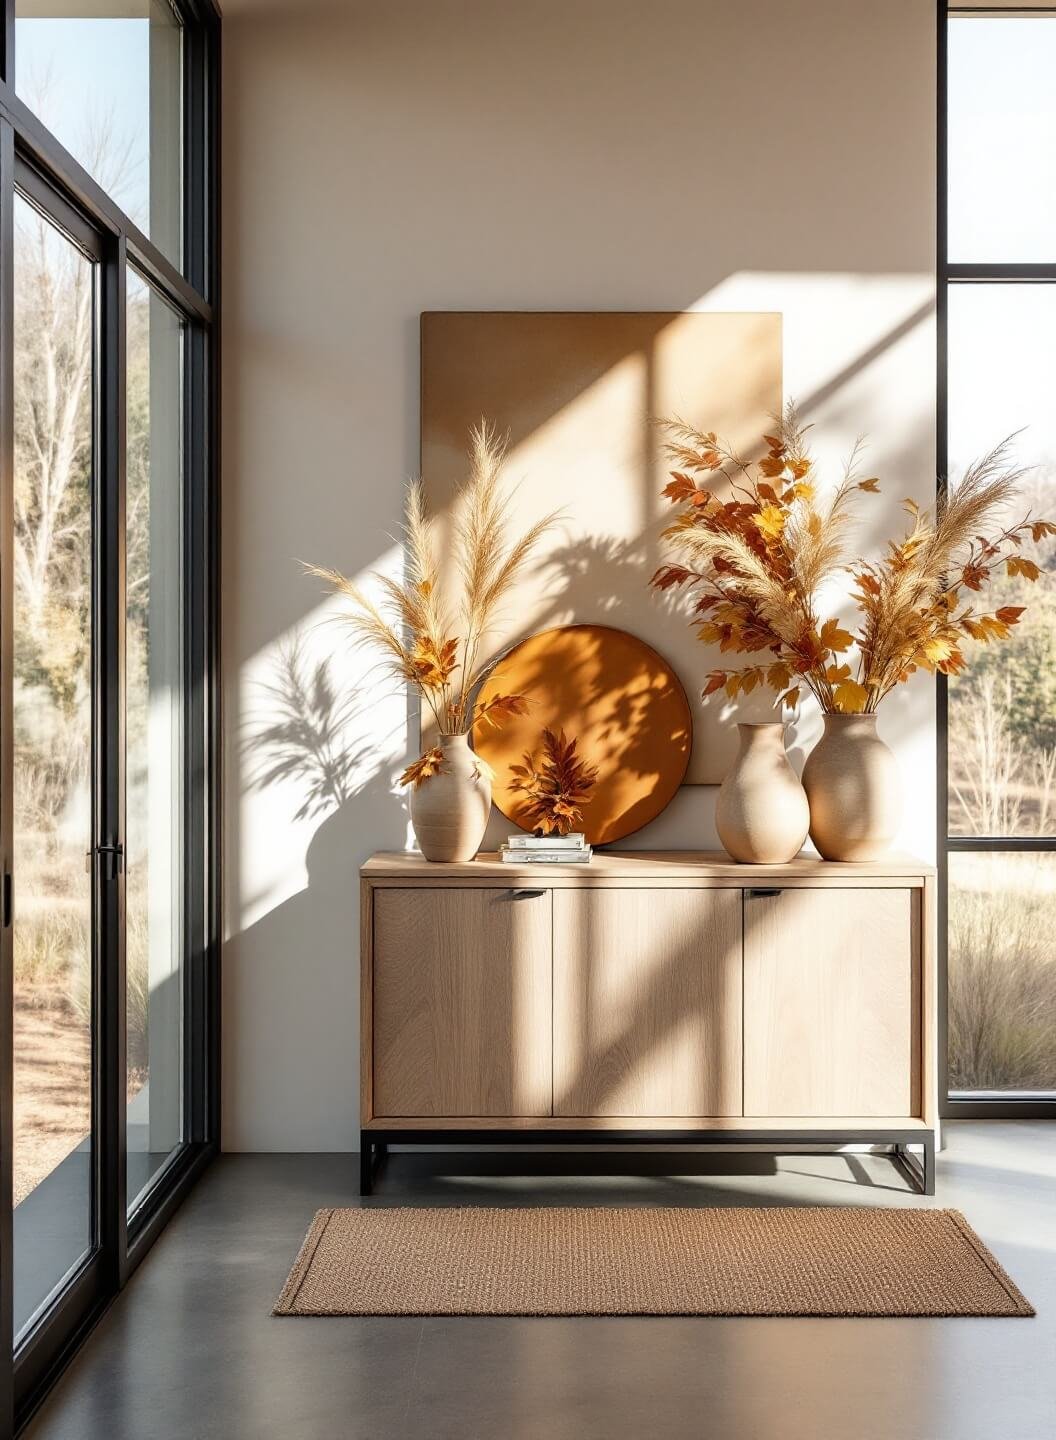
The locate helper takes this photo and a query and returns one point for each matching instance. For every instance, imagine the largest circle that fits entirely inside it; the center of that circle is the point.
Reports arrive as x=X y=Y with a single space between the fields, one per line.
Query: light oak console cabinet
x=660 y=998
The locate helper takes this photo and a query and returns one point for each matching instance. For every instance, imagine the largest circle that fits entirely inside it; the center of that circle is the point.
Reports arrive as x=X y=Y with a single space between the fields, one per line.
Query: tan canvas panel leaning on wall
x=579 y=392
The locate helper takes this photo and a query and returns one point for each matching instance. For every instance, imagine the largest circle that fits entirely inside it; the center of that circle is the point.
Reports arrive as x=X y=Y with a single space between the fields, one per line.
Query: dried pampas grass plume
x=427 y=639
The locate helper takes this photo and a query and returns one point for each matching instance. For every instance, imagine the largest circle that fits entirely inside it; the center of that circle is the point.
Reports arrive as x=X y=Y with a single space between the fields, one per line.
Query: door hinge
x=8 y=900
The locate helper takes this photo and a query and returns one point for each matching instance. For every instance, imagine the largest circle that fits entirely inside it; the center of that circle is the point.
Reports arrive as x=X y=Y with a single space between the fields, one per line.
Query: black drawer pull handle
x=527 y=894
x=761 y=894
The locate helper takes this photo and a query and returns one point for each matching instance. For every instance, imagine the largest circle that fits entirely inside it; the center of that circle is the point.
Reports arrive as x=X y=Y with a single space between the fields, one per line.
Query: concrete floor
x=190 y=1351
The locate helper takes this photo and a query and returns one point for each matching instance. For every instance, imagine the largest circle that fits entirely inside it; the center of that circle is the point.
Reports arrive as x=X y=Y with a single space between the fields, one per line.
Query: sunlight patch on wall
x=322 y=731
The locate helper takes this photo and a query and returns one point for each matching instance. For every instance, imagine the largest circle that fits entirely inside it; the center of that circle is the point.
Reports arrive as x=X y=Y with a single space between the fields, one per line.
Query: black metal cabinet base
x=374 y=1144
x=372 y=1152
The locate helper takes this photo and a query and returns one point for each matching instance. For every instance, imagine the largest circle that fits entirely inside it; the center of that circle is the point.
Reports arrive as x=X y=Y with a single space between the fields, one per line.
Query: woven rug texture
x=638 y=1261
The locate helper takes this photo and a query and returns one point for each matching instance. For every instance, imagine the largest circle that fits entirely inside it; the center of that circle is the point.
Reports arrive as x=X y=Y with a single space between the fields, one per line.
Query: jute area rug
x=583 y=1261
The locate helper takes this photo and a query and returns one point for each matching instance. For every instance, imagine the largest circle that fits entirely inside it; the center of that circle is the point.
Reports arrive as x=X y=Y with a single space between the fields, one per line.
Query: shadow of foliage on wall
x=300 y=731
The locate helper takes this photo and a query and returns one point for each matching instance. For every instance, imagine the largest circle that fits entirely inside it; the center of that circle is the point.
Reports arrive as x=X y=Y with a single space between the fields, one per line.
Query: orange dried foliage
x=557 y=787
x=424 y=768
x=755 y=562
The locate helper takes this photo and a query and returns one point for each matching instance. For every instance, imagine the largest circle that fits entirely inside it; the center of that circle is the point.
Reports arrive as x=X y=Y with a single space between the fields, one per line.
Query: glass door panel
x=154 y=646
x=52 y=783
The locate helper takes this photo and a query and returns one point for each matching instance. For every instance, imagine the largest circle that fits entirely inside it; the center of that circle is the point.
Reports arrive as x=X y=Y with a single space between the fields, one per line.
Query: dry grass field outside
x=52 y=1092
x=52 y=1016
x=1002 y=972
x=1002 y=906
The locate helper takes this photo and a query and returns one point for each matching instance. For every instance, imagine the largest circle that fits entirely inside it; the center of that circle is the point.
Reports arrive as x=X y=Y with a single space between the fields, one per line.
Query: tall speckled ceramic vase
x=450 y=810
x=852 y=783
x=762 y=813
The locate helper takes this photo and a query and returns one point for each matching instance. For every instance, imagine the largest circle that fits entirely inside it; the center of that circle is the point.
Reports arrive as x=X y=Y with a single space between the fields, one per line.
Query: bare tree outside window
x=54 y=326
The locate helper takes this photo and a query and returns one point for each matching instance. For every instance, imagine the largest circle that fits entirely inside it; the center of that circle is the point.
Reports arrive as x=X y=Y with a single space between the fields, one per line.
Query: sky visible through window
x=89 y=80
x=1002 y=139
x=1002 y=371
x=1002 y=209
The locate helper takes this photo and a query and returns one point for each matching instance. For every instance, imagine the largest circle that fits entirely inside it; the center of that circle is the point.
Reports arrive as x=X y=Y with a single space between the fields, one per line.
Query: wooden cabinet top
x=630 y=866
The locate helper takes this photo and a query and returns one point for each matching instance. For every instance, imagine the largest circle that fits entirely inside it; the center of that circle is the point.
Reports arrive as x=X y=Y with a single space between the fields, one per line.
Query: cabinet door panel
x=831 y=1003
x=462 y=1003
x=647 y=1002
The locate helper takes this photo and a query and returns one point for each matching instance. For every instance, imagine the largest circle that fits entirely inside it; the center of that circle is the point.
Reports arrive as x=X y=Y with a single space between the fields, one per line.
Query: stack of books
x=546 y=850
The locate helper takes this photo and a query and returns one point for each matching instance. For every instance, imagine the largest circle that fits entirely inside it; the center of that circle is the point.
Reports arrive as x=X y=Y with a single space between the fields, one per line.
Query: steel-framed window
x=35 y=165
x=979 y=1104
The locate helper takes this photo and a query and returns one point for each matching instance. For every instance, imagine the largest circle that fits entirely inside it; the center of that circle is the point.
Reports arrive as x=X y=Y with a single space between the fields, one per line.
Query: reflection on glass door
x=52 y=732
x=154 y=757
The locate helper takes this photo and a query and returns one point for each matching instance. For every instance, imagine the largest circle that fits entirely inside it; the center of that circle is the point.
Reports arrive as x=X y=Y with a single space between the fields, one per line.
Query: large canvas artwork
x=579 y=393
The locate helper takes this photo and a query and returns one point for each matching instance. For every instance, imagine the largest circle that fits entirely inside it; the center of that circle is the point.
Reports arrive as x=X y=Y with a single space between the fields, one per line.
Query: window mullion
x=110 y=764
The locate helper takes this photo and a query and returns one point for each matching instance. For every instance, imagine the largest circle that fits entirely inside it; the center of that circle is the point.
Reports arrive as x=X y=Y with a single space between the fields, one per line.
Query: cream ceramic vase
x=852 y=783
x=450 y=810
x=762 y=814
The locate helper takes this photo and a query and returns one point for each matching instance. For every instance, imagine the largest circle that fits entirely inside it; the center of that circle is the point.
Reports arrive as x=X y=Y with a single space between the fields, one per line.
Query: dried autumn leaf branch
x=557 y=787
x=755 y=564
x=422 y=769
x=421 y=639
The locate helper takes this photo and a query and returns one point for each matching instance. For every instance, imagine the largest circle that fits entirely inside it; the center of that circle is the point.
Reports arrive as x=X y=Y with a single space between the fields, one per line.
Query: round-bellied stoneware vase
x=450 y=810
x=852 y=783
x=762 y=813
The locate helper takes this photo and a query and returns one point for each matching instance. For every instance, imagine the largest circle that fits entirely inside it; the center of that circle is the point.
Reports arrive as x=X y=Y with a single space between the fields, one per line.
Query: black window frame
x=981 y=1105
x=34 y=163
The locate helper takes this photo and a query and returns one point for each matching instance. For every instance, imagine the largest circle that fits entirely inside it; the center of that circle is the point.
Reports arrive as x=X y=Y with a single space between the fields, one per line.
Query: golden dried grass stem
x=422 y=640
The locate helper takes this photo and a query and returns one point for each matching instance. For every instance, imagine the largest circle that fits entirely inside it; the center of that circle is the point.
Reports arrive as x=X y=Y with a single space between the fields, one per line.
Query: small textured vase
x=852 y=782
x=450 y=810
x=762 y=813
